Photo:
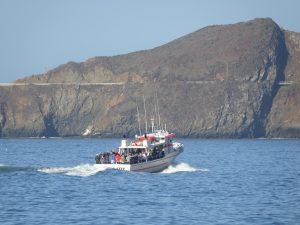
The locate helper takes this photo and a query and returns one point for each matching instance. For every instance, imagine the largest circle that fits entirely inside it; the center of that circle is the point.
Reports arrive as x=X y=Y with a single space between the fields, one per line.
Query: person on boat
x=134 y=159
x=112 y=157
x=162 y=153
x=106 y=158
x=149 y=157
x=155 y=153
x=117 y=157
x=144 y=157
x=123 y=159
x=139 y=155
x=128 y=158
x=97 y=159
x=102 y=159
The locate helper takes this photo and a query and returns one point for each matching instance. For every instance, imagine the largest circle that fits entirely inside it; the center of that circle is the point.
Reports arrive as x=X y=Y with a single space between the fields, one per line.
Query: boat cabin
x=161 y=140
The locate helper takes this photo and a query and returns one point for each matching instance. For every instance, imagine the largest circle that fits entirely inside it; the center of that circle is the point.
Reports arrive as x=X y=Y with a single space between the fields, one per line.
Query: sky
x=39 y=35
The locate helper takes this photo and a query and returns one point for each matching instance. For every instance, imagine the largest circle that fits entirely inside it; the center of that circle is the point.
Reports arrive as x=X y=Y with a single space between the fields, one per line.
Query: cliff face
x=220 y=81
x=284 y=117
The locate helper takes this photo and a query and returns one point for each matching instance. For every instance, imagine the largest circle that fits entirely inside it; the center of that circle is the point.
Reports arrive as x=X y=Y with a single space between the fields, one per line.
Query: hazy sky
x=39 y=35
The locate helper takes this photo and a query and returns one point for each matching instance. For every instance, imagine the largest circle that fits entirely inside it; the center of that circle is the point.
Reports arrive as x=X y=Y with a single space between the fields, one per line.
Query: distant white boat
x=152 y=153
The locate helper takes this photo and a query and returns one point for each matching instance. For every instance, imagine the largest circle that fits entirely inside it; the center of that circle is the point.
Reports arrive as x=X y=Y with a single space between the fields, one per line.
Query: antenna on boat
x=152 y=123
x=155 y=116
x=145 y=114
x=137 y=109
x=158 y=115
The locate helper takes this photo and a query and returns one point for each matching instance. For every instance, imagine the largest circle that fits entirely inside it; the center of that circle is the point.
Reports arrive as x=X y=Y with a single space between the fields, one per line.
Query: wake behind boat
x=152 y=153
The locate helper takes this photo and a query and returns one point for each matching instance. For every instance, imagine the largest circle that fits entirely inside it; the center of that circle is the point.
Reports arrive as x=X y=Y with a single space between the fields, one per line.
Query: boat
x=151 y=153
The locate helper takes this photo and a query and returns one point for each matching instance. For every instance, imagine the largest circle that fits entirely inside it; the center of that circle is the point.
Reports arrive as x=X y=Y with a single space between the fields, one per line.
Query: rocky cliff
x=220 y=81
x=284 y=117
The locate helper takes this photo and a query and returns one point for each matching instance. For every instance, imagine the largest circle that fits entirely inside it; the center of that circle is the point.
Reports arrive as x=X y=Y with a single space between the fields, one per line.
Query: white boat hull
x=152 y=166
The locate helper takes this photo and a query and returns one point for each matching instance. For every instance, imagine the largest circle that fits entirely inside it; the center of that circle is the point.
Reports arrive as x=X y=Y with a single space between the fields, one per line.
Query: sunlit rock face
x=217 y=82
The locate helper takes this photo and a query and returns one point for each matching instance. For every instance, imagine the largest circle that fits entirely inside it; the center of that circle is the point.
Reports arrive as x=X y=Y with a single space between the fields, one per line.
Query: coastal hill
x=226 y=81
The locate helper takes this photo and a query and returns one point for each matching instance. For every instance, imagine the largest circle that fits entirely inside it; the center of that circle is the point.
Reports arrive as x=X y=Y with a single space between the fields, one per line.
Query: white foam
x=84 y=170
x=182 y=167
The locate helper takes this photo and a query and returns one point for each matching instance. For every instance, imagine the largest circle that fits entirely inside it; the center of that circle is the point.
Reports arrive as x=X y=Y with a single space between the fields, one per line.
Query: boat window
x=124 y=150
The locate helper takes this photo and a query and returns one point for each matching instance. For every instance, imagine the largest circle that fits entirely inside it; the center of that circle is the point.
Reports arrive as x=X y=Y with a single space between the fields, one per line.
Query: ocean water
x=53 y=181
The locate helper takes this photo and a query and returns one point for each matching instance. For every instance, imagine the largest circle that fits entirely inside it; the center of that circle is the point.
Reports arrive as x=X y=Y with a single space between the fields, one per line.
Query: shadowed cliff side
x=219 y=81
x=284 y=118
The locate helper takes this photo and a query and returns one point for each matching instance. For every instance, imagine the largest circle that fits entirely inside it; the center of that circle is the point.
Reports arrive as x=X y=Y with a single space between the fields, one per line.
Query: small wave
x=84 y=170
x=182 y=167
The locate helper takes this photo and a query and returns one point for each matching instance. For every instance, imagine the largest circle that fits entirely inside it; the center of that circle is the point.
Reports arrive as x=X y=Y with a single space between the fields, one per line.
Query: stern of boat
x=177 y=146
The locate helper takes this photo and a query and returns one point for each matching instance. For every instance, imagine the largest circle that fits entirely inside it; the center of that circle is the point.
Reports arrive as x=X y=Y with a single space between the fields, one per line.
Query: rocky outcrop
x=284 y=117
x=218 y=82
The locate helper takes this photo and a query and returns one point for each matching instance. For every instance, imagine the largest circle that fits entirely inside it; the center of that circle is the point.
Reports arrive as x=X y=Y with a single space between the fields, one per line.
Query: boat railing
x=135 y=160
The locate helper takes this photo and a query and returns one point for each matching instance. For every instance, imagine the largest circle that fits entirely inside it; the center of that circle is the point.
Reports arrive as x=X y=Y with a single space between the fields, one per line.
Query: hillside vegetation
x=217 y=82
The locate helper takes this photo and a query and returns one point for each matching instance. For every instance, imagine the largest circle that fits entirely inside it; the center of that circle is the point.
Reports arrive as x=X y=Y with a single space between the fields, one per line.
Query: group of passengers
x=109 y=157
x=135 y=156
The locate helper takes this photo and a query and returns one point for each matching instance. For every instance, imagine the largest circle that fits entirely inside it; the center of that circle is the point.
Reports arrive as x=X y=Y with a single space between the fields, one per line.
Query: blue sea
x=53 y=181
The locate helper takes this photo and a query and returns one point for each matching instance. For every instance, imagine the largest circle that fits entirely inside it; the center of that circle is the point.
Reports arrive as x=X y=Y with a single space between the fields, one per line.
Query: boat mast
x=137 y=109
x=159 y=127
x=145 y=114
x=152 y=123
x=155 y=116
